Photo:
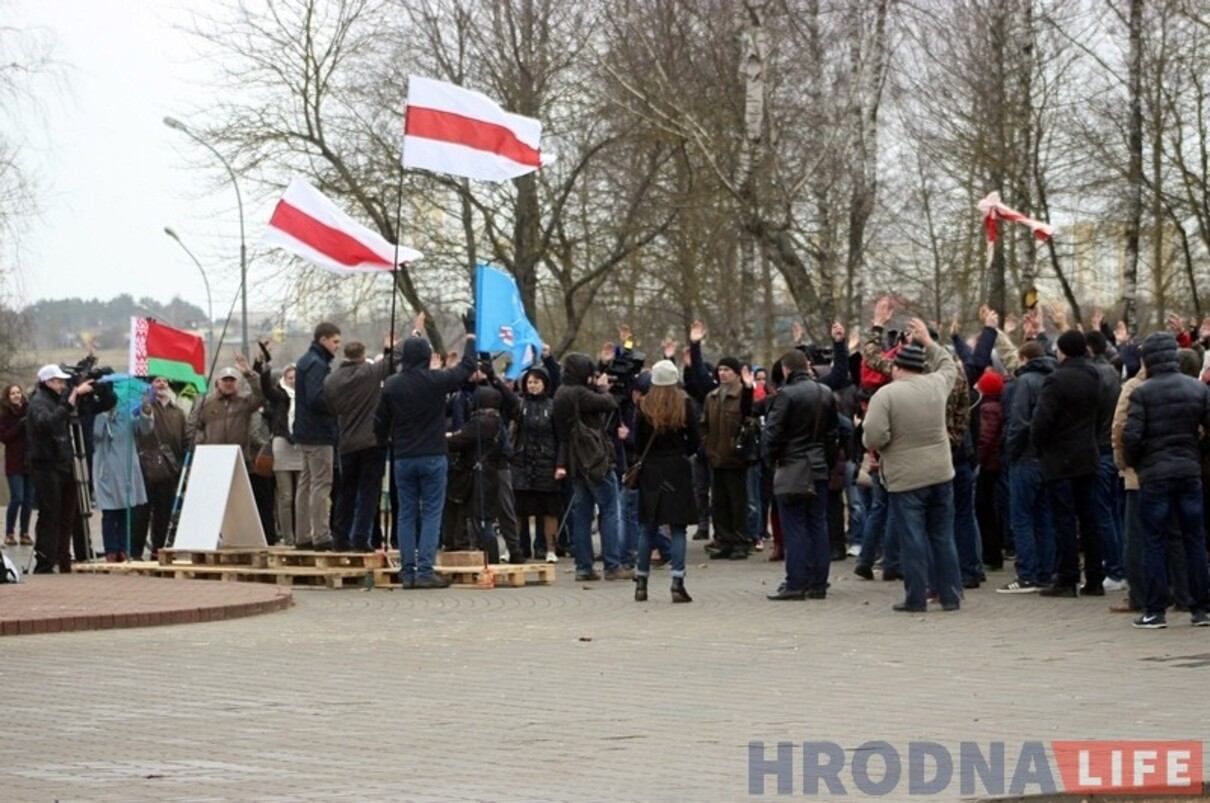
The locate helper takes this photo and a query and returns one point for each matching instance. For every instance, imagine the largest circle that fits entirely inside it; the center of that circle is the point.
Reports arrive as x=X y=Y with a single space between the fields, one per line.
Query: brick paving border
x=65 y=603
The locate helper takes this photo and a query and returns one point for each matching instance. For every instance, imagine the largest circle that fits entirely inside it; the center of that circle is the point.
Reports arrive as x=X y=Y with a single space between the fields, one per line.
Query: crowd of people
x=1082 y=455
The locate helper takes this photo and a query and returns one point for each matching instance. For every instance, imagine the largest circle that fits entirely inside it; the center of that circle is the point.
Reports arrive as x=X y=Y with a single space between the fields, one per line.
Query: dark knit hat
x=1072 y=343
x=911 y=358
x=729 y=362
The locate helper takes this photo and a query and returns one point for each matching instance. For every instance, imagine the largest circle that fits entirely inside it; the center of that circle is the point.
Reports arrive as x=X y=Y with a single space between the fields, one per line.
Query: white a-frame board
x=219 y=508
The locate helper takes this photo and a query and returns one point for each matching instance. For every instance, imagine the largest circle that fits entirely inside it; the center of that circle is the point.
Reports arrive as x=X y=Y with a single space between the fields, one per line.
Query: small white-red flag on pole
x=308 y=224
x=450 y=129
x=995 y=210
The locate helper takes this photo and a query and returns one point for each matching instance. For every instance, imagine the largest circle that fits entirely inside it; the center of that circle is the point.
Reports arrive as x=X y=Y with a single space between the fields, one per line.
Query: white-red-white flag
x=308 y=224
x=995 y=210
x=449 y=129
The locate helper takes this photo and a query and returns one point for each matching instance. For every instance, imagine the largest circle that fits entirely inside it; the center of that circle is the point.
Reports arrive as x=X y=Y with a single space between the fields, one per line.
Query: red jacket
x=12 y=433
x=991 y=422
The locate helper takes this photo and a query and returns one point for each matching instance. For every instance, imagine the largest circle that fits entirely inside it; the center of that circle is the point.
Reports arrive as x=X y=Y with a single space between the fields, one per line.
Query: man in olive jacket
x=906 y=424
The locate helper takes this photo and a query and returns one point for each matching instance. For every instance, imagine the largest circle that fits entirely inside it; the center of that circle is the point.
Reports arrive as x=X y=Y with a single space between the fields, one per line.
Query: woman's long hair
x=664 y=407
x=6 y=405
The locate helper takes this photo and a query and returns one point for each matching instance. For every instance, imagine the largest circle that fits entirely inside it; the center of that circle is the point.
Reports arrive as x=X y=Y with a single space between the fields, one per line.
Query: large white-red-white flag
x=995 y=210
x=450 y=129
x=308 y=224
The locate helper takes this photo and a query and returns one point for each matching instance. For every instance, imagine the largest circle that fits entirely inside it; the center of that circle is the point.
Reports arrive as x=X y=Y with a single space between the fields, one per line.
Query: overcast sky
x=111 y=174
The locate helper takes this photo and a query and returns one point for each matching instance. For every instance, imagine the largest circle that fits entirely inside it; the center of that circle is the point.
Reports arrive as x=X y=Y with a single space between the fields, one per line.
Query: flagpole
x=391 y=495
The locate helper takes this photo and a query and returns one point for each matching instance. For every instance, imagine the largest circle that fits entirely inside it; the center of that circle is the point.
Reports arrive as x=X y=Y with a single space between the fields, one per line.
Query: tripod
x=80 y=472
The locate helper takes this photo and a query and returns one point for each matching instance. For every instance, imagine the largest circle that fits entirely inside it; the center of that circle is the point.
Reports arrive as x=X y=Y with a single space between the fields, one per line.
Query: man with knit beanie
x=1161 y=442
x=723 y=414
x=906 y=424
x=1064 y=430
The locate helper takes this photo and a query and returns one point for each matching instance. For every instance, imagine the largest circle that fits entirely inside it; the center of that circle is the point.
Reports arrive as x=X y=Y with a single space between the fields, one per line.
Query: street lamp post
x=209 y=300
x=172 y=122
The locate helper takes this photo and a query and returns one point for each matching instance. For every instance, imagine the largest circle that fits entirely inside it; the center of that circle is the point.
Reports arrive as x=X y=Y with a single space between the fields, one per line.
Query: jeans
x=21 y=502
x=875 y=532
x=804 y=534
x=1107 y=515
x=313 y=503
x=1032 y=524
x=858 y=499
x=966 y=529
x=1158 y=500
x=605 y=496
x=155 y=515
x=628 y=503
x=1071 y=501
x=756 y=504
x=925 y=521
x=119 y=533
x=1132 y=550
x=357 y=500
x=420 y=483
x=649 y=536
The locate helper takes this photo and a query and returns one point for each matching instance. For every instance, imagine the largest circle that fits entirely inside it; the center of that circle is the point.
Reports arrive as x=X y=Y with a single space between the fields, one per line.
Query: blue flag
x=500 y=320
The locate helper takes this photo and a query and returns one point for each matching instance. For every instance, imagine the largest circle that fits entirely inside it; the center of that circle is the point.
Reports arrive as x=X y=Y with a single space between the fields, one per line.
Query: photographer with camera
x=49 y=441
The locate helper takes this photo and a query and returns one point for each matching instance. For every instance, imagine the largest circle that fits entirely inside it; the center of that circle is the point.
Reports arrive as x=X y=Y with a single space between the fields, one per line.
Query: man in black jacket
x=315 y=432
x=352 y=391
x=800 y=448
x=1107 y=492
x=412 y=414
x=49 y=453
x=581 y=399
x=1161 y=442
x=1064 y=431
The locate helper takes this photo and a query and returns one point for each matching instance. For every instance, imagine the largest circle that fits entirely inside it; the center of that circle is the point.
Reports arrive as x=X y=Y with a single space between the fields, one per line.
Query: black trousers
x=356 y=506
x=729 y=498
x=57 y=501
x=990 y=517
x=264 y=490
x=836 y=538
x=1072 y=501
x=154 y=515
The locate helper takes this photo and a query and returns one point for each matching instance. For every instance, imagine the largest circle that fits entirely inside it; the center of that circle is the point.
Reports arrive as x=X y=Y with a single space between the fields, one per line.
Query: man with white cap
x=50 y=460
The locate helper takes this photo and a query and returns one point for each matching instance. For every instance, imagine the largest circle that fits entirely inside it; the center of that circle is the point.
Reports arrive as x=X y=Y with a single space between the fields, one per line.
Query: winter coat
x=596 y=409
x=666 y=479
x=723 y=414
x=277 y=404
x=219 y=419
x=352 y=391
x=991 y=426
x=314 y=421
x=1026 y=389
x=802 y=425
x=168 y=429
x=411 y=411
x=1067 y=418
x=12 y=433
x=47 y=434
x=117 y=477
x=906 y=424
x=1130 y=477
x=1111 y=387
x=1161 y=438
x=476 y=463
x=535 y=445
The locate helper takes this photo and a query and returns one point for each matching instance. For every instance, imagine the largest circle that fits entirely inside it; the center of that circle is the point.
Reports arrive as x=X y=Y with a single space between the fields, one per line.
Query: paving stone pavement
x=561 y=693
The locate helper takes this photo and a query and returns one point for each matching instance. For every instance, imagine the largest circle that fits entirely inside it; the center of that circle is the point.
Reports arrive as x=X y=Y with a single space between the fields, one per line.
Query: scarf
x=289 y=391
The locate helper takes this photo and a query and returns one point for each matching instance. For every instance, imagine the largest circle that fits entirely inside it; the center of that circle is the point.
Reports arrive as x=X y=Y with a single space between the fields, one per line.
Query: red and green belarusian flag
x=159 y=350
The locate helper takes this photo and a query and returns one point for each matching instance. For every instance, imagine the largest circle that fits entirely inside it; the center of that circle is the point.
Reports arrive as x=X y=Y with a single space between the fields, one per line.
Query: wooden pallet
x=496 y=575
x=244 y=556
x=351 y=577
x=271 y=558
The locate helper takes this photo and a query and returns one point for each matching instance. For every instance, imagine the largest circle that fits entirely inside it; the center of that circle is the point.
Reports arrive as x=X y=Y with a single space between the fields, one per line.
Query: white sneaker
x=1114 y=585
x=855 y=551
x=551 y=557
x=504 y=556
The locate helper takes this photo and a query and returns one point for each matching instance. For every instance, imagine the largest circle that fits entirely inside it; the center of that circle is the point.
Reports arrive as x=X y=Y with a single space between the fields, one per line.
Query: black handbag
x=632 y=475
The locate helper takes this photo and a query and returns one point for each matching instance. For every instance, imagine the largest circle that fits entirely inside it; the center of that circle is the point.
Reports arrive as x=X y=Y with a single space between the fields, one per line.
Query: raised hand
x=920 y=332
x=545 y=350
x=884 y=310
x=837 y=332
x=697 y=332
x=1098 y=317
x=241 y=363
x=954 y=326
x=990 y=317
x=607 y=352
x=747 y=377
x=669 y=348
x=1010 y=324
x=798 y=333
x=1121 y=333
x=1059 y=313
x=624 y=334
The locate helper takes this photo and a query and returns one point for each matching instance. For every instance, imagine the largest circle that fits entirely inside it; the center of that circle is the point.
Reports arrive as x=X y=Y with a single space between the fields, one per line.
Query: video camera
x=85 y=370
x=623 y=370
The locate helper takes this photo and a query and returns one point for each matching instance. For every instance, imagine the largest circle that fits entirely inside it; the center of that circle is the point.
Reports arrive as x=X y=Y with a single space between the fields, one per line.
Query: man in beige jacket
x=1132 y=535
x=906 y=424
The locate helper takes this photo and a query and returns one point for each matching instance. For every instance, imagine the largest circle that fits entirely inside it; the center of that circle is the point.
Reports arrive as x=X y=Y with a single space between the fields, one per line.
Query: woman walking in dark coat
x=668 y=434
x=13 y=407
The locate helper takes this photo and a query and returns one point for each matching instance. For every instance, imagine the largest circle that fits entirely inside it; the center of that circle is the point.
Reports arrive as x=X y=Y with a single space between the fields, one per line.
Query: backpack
x=9 y=572
x=589 y=449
